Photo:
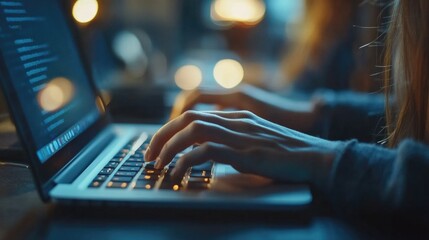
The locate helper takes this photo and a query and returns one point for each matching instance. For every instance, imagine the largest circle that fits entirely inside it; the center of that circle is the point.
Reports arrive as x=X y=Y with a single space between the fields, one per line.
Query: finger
x=187 y=101
x=240 y=114
x=251 y=123
x=259 y=124
x=174 y=126
x=199 y=132
x=207 y=151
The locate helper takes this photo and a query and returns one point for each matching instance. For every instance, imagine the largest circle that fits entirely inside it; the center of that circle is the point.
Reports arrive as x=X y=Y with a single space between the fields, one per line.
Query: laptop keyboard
x=128 y=170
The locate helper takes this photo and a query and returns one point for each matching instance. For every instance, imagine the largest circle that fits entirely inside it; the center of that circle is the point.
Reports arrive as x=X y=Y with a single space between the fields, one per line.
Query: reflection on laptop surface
x=76 y=152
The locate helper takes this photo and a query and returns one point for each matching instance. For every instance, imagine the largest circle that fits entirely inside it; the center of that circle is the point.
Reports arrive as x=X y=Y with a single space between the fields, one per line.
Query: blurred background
x=143 y=52
x=162 y=42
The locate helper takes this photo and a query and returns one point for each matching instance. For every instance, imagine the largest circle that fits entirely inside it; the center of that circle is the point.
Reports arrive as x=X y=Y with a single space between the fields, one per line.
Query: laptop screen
x=46 y=72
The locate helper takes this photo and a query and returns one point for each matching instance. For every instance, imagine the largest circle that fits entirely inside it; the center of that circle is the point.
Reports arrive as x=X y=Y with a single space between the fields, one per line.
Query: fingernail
x=147 y=154
x=158 y=163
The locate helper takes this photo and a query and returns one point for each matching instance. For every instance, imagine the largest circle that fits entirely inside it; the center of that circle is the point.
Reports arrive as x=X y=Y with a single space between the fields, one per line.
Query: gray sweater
x=369 y=178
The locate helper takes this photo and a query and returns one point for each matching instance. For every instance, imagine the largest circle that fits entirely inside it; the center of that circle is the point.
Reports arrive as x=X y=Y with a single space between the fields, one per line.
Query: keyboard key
x=149 y=177
x=152 y=171
x=130 y=169
x=106 y=171
x=95 y=184
x=125 y=150
x=197 y=186
x=117 y=160
x=112 y=164
x=167 y=185
x=199 y=179
x=117 y=184
x=121 y=179
x=125 y=174
x=133 y=164
x=169 y=179
x=100 y=178
x=144 y=184
x=200 y=174
x=134 y=159
x=120 y=155
x=137 y=155
x=150 y=165
x=207 y=166
x=145 y=145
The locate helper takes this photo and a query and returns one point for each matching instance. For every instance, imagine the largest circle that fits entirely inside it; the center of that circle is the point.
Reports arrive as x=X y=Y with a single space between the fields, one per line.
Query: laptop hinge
x=79 y=163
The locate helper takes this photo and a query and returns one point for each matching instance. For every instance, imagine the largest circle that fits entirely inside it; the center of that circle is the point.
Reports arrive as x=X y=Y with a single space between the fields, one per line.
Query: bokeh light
x=228 y=73
x=127 y=47
x=84 y=11
x=249 y=12
x=188 y=77
x=57 y=93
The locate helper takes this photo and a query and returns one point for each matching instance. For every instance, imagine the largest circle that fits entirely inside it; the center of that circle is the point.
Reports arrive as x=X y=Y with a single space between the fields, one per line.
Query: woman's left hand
x=245 y=141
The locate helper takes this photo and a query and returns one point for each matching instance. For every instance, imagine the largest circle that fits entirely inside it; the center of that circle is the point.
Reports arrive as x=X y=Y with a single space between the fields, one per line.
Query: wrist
x=322 y=168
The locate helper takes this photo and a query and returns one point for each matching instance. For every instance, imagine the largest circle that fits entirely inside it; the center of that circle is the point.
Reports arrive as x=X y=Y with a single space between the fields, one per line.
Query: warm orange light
x=188 y=77
x=228 y=73
x=249 y=12
x=84 y=11
x=57 y=93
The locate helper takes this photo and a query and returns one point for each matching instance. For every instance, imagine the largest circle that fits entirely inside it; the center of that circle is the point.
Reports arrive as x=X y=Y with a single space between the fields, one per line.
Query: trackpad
x=230 y=182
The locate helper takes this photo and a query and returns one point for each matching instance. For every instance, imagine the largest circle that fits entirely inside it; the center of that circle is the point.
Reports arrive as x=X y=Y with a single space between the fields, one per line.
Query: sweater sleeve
x=370 y=179
x=350 y=115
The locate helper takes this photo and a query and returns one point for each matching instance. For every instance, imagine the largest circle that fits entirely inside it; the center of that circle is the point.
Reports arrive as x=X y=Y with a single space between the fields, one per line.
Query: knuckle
x=251 y=124
x=190 y=115
x=208 y=148
x=246 y=125
x=270 y=143
x=247 y=114
x=197 y=126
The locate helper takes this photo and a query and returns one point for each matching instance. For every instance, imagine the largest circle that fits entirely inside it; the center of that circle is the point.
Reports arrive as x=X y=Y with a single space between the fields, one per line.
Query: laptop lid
x=51 y=96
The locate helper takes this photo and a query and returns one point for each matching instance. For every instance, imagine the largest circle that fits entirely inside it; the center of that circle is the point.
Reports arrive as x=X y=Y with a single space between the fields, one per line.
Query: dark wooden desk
x=23 y=215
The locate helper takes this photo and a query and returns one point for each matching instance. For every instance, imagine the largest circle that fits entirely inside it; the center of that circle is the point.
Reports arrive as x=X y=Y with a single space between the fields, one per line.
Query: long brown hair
x=326 y=24
x=323 y=23
x=408 y=82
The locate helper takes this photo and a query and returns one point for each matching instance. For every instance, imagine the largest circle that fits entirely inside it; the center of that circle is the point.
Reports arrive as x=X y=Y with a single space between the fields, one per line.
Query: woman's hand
x=247 y=142
x=300 y=116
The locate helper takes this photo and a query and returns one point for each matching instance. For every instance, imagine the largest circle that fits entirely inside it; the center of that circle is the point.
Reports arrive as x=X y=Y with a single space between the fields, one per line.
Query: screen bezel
x=44 y=173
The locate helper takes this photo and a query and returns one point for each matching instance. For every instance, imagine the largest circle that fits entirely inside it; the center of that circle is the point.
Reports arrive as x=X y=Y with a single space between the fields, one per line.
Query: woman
x=349 y=174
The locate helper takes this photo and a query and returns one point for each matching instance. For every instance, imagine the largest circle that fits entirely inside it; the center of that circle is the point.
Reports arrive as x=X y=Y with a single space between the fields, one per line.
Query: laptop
x=77 y=154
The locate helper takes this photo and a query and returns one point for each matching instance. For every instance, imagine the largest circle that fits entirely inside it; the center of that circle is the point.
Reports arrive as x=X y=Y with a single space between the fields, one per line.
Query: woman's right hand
x=245 y=141
x=300 y=116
